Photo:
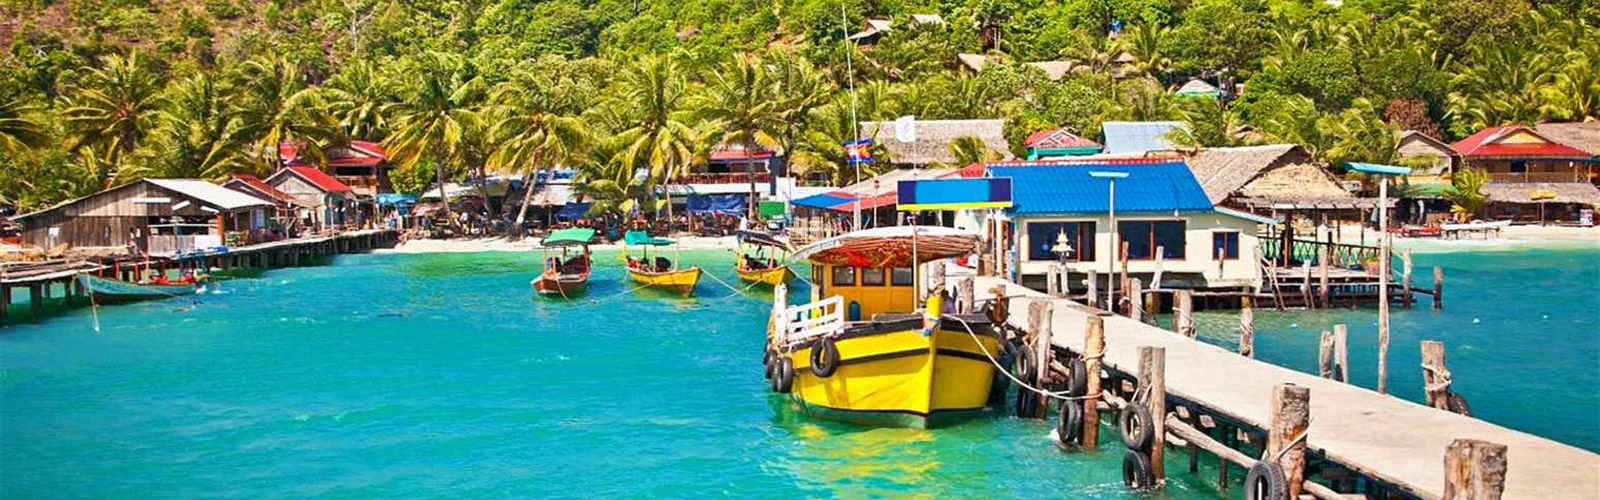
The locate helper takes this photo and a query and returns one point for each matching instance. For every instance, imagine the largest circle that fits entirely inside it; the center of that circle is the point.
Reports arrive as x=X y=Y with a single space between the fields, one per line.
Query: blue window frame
x=1042 y=238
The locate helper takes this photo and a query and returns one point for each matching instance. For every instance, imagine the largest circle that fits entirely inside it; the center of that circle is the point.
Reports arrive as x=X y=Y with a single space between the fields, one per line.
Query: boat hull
x=897 y=376
x=108 y=290
x=770 y=277
x=561 y=285
x=681 y=281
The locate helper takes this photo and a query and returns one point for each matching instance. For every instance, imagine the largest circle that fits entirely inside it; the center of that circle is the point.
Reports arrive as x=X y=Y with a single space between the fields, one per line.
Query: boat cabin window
x=872 y=277
x=844 y=276
x=902 y=276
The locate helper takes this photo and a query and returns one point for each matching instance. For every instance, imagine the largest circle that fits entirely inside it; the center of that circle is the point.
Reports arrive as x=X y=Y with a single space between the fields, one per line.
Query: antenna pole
x=850 y=77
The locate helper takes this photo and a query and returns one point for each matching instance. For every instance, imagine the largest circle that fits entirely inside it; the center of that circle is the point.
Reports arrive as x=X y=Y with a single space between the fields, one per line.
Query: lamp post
x=1111 y=209
x=1383 y=173
x=1063 y=251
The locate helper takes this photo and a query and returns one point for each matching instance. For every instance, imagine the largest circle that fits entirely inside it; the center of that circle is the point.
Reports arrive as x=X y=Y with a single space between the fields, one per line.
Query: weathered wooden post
x=1155 y=280
x=1438 y=287
x=1405 y=276
x=1052 y=283
x=1040 y=313
x=1305 y=287
x=966 y=301
x=1136 y=300
x=1435 y=375
x=1094 y=349
x=1341 y=352
x=1122 y=283
x=1325 y=355
x=1093 y=282
x=1322 y=288
x=936 y=276
x=1153 y=381
x=1247 y=329
x=1474 y=470
x=1291 y=415
x=36 y=298
x=1183 y=312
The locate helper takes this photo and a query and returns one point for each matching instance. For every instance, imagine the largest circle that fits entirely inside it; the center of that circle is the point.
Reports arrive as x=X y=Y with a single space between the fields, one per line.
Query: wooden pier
x=1393 y=446
x=42 y=279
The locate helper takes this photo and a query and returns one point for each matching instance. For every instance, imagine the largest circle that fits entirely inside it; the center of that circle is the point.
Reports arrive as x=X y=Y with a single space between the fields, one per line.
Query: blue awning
x=573 y=211
x=824 y=201
x=395 y=200
x=1373 y=168
x=724 y=204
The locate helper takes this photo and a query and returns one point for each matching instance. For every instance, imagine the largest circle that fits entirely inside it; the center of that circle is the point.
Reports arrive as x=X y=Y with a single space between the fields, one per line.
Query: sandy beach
x=530 y=244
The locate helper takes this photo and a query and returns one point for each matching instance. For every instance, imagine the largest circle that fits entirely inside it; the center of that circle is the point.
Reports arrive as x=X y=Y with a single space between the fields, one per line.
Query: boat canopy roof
x=890 y=246
x=641 y=237
x=762 y=239
x=570 y=236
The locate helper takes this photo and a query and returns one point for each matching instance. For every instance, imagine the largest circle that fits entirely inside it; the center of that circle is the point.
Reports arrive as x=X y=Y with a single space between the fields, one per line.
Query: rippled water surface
x=425 y=375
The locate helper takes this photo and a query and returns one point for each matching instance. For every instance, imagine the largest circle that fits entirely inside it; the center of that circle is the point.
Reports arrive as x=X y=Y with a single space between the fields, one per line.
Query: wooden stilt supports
x=1405 y=277
x=1436 y=380
x=1438 y=287
x=1136 y=299
x=1474 y=470
x=1291 y=415
x=36 y=299
x=966 y=302
x=1322 y=288
x=1247 y=329
x=1183 y=312
x=1153 y=381
x=1040 y=313
x=1341 y=353
x=1093 y=298
x=1053 y=285
x=1094 y=349
x=1325 y=355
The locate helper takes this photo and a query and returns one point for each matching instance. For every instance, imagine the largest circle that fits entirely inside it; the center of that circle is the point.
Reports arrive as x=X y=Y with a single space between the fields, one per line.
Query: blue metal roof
x=1373 y=168
x=1138 y=137
x=1069 y=189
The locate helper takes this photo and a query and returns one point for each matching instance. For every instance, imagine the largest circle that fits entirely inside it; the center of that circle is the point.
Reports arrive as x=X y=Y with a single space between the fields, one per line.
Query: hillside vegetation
x=99 y=92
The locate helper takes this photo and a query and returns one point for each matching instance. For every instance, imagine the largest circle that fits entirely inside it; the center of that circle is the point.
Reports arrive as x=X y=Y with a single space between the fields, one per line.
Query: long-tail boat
x=867 y=348
x=107 y=290
x=762 y=259
x=566 y=262
x=658 y=272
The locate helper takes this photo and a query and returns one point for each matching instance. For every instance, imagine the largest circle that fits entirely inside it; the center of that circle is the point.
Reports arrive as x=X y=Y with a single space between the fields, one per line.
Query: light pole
x=1111 y=209
x=1063 y=251
x=1383 y=173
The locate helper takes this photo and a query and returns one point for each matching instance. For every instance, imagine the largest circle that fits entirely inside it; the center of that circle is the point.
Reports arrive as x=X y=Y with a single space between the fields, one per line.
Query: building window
x=1144 y=236
x=871 y=277
x=1042 y=239
x=844 y=276
x=901 y=276
x=1225 y=245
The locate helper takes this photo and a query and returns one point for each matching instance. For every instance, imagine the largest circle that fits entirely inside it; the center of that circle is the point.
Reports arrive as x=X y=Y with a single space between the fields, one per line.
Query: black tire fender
x=1077 y=378
x=1027 y=403
x=824 y=358
x=1136 y=473
x=1137 y=426
x=766 y=362
x=1266 y=481
x=1069 y=424
x=783 y=376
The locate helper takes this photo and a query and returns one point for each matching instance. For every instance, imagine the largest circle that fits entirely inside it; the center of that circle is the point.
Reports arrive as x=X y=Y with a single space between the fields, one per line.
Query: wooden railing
x=1526 y=177
x=1339 y=254
x=725 y=178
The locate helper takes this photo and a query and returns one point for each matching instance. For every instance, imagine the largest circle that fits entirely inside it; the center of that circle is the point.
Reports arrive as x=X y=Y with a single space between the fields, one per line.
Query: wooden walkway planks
x=1383 y=437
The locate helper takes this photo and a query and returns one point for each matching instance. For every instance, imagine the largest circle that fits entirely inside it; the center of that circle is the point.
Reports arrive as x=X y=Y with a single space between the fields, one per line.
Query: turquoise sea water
x=429 y=375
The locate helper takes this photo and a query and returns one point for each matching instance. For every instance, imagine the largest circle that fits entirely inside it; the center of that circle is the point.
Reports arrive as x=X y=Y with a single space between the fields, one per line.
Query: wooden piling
x=1305 y=288
x=1322 y=288
x=966 y=301
x=1183 y=312
x=1040 y=313
x=1052 y=282
x=1435 y=375
x=1155 y=279
x=1325 y=355
x=1291 y=415
x=1438 y=287
x=1153 y=381
x=36 y=299
x=936 y=276
x=1122 y=284
x=1405 y=277
x=1341 y=352
x=1093 y=298
x=5 y=302
x=1247 y=329
x=1136 y=300
x=1094 y=349
x=1474 y=470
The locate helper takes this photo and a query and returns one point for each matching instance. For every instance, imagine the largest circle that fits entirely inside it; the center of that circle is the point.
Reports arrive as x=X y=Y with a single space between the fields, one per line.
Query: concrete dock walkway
x=1382 y=437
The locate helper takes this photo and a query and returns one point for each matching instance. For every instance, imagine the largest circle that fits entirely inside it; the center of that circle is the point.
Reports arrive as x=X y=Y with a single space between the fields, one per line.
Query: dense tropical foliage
x=631 y=93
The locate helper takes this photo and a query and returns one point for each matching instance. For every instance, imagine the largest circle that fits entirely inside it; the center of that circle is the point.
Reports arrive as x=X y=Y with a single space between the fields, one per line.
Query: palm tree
x=275 y=107
x=740 y=98
x=655 y=96
x=1363 y=136
x=969 y=149
x=609 y=180
x=19 y=130
x=821 y=146
x=198 y=131
x=532 y=131
x=801 y=88
x=114 y=108
x=1148 y=42
x=1466 y=192
x=438 y=110
x=356 y=96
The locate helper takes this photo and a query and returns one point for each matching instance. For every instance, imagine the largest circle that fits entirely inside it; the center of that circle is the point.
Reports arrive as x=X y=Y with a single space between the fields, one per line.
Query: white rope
x=1057 y=395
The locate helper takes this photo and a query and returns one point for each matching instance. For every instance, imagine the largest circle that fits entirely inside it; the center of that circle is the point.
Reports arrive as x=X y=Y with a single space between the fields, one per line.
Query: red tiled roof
x=972 y=171
x=260 y=187
x=1486 y=144
x=321 y=179
x=1058 y=138
x=738 y=154
x=366 y=154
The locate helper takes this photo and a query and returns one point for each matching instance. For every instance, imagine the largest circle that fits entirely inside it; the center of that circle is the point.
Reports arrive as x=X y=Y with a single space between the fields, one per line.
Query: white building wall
x=1198 y=231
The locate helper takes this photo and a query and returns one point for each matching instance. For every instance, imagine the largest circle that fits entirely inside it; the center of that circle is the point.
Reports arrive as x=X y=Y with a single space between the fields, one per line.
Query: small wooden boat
x=659 y=272
x=761 y=259
x=565 y=274
x=107 y=290
x=866 y=351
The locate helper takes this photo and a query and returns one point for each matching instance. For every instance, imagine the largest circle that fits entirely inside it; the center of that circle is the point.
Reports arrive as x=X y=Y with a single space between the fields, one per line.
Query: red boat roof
x=1513 y=141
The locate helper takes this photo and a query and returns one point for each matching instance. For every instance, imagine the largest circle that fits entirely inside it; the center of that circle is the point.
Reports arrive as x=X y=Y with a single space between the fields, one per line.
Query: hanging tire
x=1069 y=424
x=1266 y=481
x=1136 y=473
x=1137 y=426
x=1027 y=403
x=1023 y=366
x=1077 y=378
x=766 y=362
x=783 y=376
x=824 y=358
x=997 y=390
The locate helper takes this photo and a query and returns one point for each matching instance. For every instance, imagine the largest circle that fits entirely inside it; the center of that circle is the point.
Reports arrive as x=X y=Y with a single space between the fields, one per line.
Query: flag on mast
x=859 y=151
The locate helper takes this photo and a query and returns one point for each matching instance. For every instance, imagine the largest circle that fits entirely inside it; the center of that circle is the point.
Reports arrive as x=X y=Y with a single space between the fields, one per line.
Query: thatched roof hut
x=1581 y=135
x=1581 y=193
x=925 y=142
x=1270 y=174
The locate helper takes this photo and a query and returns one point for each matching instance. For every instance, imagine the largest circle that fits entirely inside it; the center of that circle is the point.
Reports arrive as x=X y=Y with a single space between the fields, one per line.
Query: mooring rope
x=1057 y=395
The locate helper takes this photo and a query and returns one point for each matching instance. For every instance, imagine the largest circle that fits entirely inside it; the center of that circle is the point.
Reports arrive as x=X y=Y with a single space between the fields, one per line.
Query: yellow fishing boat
x=865 y=351
x=658 y=273
x=761 y=259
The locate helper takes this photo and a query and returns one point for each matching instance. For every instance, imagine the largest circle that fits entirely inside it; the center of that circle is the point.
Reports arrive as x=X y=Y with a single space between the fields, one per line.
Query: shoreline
x=499 y=244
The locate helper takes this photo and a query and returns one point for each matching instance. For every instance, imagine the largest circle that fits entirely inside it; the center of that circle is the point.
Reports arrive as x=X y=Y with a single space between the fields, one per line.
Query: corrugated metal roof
x=1138 y=137
x=213 y=194
x=1068 y=189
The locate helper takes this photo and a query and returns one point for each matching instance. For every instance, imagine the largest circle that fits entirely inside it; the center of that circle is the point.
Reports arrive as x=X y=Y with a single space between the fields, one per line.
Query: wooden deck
x=1381 y=437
